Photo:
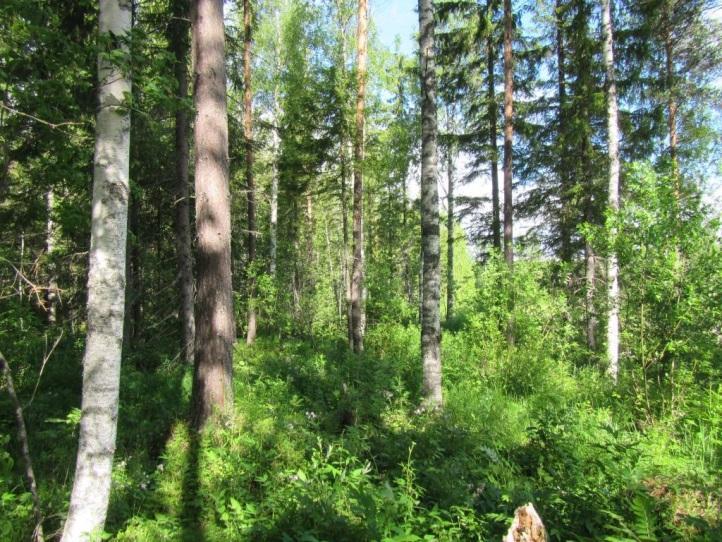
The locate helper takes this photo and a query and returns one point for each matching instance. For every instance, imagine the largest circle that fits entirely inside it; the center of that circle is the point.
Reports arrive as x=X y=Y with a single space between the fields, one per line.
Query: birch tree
x=106 y=282
x=613 y=195
x=431 y=268
x=357 y=273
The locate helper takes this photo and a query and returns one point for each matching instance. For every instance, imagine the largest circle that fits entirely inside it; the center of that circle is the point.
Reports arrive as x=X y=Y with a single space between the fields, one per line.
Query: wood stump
x=527 y=526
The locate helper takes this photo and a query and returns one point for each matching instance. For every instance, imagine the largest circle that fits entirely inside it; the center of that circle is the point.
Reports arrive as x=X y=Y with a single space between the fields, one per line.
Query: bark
x=527 y=526
x=250 y=181
x=492 y=113
x=358 y=269
x=565 y=228
x=508 y=134
x=431 y=271
x=215 y=329
x=613 y=194
x=450 y=286
x=276 y=142
x=24 y=449
x=106 y=288
x=183 y=243
x=51 y=295
x=590 y=259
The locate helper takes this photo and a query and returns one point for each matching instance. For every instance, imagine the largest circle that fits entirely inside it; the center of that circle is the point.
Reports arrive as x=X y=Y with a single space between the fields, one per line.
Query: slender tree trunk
x=276 y=141
x=431 y=269
x=250 y=182
x=24 y=449
x=51 y=296
x=183 y=243
x=613 y=195
x=508 y=134
x=590 y=259
x=215 y=329
x=358 y=271
x=672 y=105
x=565 y=228
x=106 y=287
x=492 y=113
x=450 y=285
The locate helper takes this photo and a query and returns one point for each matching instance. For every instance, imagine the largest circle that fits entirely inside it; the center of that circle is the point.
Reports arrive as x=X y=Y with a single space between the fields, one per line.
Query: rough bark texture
x=565 y=226
x=492 y=113
x=250 y=181
x=431 y=269
x=358 y=269
x=106 y=288
x=215 y=329
x=613 y=195
x=24 y=449
x=450 y=286
x=183 y=243
x=527 y=526
x=508 y=134
x=51 y=295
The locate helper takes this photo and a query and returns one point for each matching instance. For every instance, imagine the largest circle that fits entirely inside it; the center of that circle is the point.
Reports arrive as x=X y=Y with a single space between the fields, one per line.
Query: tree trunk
x=565 y=228
x=250 y=181
x=450 y=286
x=590 y=259
x=431 y=272
x=276 y=142
x=184 y=253
x=613 y=195
x=215 y=330
x=508 y=134
x=492 y=112
x=106 y=287
x=24 y=449
x=358 y=270
x=51 y=295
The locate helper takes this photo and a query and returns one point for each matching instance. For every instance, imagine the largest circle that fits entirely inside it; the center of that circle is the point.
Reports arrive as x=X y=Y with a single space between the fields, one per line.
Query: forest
x=268 y=274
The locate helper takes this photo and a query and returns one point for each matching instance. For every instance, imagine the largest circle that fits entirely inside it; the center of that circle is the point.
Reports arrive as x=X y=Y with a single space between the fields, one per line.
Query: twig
x=46 y=358
x=52 y=125
x=24 y=449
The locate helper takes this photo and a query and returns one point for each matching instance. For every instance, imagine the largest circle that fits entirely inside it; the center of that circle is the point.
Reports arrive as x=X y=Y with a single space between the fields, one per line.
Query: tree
x=250 y=184
x=184 y=254
x=106 y=281
x=613 y=196
x=431 y=268
x=215 y=329
x=508 y=133
x=357 y=274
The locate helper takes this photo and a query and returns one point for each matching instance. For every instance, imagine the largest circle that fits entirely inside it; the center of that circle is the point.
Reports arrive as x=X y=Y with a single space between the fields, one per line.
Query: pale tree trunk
x=51 y=296
x=613 y=196
x=508 y=134
x=492 y=113
x=276 y=143
x=215 y=328
x=358 y=268
x=431 y=268
x=590 y=259
x=527 y=526
x=250 y=181
x=106 y=287
x=450 y=286
x=184 y=252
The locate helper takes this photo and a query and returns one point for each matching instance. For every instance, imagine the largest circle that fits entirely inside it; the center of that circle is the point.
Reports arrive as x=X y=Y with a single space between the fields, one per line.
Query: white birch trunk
x=613 y=197
x=431 y=261
x=106 y=288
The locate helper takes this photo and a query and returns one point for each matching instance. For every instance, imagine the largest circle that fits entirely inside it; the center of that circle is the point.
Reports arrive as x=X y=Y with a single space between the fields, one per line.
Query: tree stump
x=527 y=526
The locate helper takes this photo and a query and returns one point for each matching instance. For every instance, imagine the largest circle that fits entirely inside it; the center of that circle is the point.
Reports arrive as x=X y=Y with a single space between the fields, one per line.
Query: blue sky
x=395 y=18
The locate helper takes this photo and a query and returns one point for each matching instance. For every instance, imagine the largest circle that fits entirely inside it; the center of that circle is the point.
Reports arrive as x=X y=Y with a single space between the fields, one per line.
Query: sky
x=395 y=18
x=399 y=18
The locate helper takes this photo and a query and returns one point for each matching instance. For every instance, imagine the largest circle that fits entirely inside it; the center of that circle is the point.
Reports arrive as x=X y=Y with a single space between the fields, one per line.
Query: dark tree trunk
x=184 y=254
x=491 y=52
x=508 y=134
